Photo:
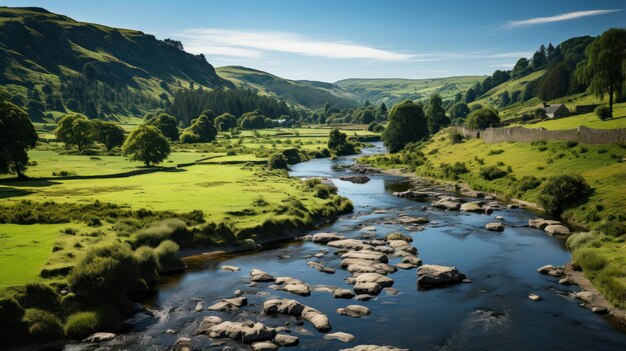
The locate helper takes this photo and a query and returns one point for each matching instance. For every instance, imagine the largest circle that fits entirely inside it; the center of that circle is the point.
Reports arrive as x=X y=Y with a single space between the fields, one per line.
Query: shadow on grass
x=9 y=192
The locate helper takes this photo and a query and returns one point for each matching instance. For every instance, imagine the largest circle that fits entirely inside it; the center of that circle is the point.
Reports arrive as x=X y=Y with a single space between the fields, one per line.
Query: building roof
x=553 y=108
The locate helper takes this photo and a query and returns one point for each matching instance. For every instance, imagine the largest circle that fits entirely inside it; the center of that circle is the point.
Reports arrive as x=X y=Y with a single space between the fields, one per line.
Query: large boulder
x=286 y=340
x=257 y=275
x=355 y=179
x=349 y=244
x=557 y=229
x=231 y=304
x=244 y=332
x=367 y=288
x=376 y=278
x=324 y=238
x=264 y=346
x=341 y=336
x=318 y=319
x=472 y=207
x=367 y=255
x=182 y=344
x=431 y=275
x=541 y=223
x=206 y=324
x=355 y=311
x=284 y=306
x=446 y=204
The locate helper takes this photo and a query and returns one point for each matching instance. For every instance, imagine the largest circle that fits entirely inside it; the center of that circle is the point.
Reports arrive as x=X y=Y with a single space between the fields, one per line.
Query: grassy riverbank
x=520 y=170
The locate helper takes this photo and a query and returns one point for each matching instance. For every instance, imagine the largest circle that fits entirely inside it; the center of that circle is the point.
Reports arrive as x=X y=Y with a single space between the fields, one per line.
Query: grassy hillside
x=49 y=59
x=303 y=93
x=391 y=91
x=589 y=120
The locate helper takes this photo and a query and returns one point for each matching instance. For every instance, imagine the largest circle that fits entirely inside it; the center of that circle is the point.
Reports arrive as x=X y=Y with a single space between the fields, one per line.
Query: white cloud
x=253 y=43
x=558 y=18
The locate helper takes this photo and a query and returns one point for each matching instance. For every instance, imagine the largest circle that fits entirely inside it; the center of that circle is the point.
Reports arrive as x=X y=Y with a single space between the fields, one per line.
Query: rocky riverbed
x=402 y=272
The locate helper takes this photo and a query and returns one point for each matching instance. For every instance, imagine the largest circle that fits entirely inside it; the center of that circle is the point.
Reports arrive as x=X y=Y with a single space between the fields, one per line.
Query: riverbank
x=589 y=296
x=520 y=170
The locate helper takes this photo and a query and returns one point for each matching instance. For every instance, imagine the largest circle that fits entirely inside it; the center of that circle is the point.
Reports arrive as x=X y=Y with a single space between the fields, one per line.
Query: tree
x=75 y=130
x=110 y=134
x=166 y=124
x=478 y=89
x=382 y=111
x=604 y=68
x=407 y=123
x=201 y=131
x=17 y=136
x=459 y=110
x=436 y=115
x=470 y=96
x=339 y=144
x=555 y=83
x=483 y=118
x=539 y=58
x=498 y=77
x=487 y=84
x=225 y=122
x=564 y=191
x=505 y=99
x=147 y=144
x=521 y=68
x=602 y=112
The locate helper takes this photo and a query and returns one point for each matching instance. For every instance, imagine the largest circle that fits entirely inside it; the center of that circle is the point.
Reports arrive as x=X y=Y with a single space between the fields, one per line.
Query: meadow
x=226 y=180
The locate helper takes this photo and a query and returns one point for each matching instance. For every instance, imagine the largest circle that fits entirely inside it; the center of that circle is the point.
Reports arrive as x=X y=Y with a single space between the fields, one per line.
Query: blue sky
x=331 y=40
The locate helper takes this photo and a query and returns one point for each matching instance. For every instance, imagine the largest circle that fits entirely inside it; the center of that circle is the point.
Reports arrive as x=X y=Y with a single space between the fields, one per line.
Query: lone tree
x=605 y=66
x=17 y=136
x=75 y=130
x=407 y=123
x=110 y=134
x=483 y=118
x=146 y=144
x=201 y=131
x=436 y=115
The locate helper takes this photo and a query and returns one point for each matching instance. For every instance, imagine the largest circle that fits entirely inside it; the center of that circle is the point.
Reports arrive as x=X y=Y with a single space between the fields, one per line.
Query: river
x=492 y=313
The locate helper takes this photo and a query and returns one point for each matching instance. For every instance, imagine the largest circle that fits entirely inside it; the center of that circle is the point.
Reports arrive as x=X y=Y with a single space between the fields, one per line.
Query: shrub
x=81 y=324
x=492 y=172
x=323 y=191
x=571 y=143
x=453 y=171
x=165 y=255
x=277 y=161
x=106 y=272
x=39 y=294
x=562 y=192
x=603 y=112
x=482 y=119
x=455 y=137
x=148 y=264
x=292 y=155
x=43 y=325
x=168 y=229
x=528 y=183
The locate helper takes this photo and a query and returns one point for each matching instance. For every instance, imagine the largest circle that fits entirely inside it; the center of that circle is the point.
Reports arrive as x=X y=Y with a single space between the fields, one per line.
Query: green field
x=589 y=120
x=225 y=193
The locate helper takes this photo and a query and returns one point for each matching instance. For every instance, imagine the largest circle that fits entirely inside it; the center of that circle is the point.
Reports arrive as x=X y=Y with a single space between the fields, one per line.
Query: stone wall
x=581 y=134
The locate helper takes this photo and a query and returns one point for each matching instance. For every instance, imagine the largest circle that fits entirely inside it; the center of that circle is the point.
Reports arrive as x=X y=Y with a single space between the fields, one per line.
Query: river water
x=492 y=313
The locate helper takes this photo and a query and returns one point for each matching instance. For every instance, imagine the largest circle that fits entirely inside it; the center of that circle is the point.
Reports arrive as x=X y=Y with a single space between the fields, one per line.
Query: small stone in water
x=534 y=297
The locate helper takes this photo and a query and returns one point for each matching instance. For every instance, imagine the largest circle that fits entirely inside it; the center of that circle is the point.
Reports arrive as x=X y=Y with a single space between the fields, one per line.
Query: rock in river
x=541 y=223
x=355 y=179
x=264 y=346
x=230 y=268
x=286 y=340
x=182 y=344
x=245 y=332
x=98 y=337
x=557 y=229
x=374 y=348
x=341 y=336
x=292 y=307
x=495 y=226
x=324 y=238
x=257 y=275
x=355 y=311
x=430 y=274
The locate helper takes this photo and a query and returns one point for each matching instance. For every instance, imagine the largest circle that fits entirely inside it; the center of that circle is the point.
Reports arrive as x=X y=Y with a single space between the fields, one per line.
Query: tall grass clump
x=168 y=229
x=43 y=325
x=81 y=324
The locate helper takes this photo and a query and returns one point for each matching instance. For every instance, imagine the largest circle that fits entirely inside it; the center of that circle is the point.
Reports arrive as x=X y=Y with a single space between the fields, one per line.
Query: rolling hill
x=392 y=90
x=310 y=94
x=49 y=61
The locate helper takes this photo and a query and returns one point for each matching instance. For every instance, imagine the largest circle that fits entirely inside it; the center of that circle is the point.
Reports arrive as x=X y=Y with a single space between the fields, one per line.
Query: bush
x=292 y=155
x=81 y=324
x=43 y=325
x=148 y=264
x=323 y=191
x=562 y=192
x=528 y=183
x=455 y=136
x=106 y=272
x=165 y=255
x=492 y=172
x=603 y=112
x=277 y=161
x=482 y=119
x=453 y=171
x=39 y=294
x=168 y=229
